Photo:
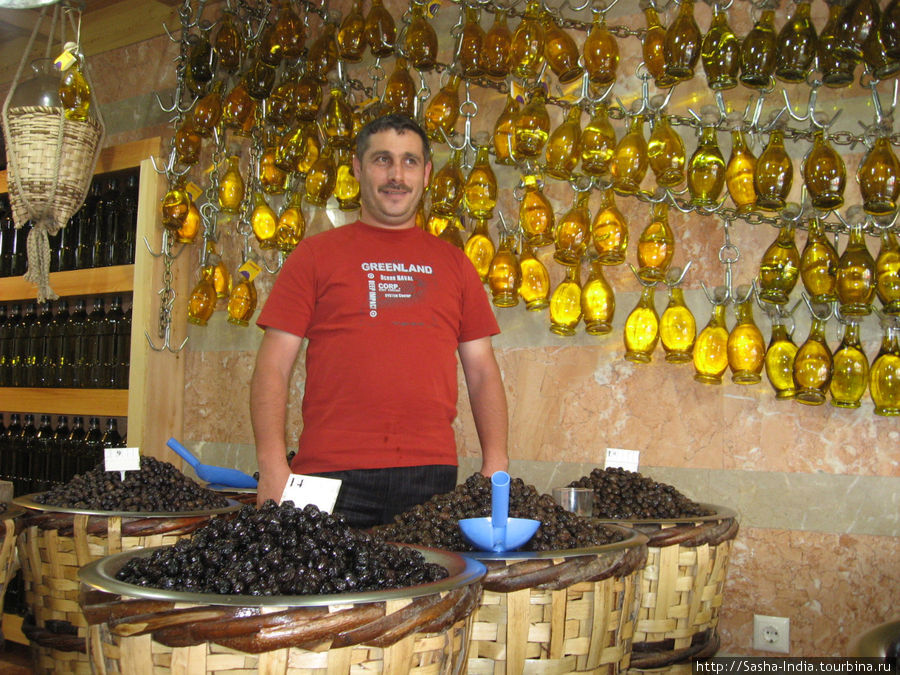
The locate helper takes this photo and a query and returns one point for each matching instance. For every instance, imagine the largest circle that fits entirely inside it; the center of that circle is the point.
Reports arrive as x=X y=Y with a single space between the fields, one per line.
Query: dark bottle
x=92 y=448
x=95 y=328
x=75 y=354
x=109 y=236
x=21 y=343
x=56 y=345
x=4 y=433
x=60 y=256
x=57 y=471
x=19 y=257
x=7 y=237
x=54 y=241
x=22 y=481
x=39 y=348
x=8 y=447
x=7 y=345
x=111 y=437
x=87 y=229
x=114 y=324
x=4 y=331
x=127 y=221
x=758 y=52
x=123 y=351
x=43 y=451
x=72 y=464
x=796 y=46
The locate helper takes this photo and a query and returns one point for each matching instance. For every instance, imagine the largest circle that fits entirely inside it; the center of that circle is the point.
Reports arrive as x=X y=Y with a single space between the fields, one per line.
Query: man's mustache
x=395 y=186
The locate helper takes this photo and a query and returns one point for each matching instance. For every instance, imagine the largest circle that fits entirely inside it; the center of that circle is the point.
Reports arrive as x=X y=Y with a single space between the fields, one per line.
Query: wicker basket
x=54 y=543
x=560 y=611
x=9 y=531
x=51 y=161
x=682 y=587
x=419 y=629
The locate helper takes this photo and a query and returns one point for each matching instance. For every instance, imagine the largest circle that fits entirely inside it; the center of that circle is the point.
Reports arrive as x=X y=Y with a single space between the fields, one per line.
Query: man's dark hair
x=395 y=121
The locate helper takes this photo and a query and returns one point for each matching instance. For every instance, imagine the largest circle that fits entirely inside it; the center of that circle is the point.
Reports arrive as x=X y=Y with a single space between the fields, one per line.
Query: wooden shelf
x=115 y=279
x=88 y=402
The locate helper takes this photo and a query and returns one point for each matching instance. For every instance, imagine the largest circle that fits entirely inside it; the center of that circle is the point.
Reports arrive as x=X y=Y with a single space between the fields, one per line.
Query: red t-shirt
x=384 y=312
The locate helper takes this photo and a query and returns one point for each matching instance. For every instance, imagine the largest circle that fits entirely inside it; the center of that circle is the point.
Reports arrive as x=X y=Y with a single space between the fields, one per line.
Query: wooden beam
x=24 y=19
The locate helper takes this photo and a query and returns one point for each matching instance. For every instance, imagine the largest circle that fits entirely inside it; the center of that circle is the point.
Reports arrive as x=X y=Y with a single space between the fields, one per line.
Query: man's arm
x=488 y=400
x=268 y=409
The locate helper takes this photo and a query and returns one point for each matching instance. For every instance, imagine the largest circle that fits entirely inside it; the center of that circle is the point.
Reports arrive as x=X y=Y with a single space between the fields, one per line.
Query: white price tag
x=622 y=459
x=303 y=490
x=122 y=460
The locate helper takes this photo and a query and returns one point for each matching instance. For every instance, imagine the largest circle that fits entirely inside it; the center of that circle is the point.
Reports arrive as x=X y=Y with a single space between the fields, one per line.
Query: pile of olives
x=280 y=550
x=157 y=487
x=436 y=522
x=619 y=493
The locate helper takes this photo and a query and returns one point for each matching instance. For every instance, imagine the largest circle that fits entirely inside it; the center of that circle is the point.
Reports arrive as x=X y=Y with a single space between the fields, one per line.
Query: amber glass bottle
x=855 y=283
x=573 y=231
x=221 y=277
x=858 y=20
x=779 y=267
x=598 y=302
x=780 y=360
x=289 y=32
x=321 y=178
x=228 y=44
x=836 y=70
x=503 y=132
x=536 y=215
x=653 y=47
x=453 y=232
x=187 y=142
x=263 y=221
x=531 y=127
x=564 y=146
x=682 y=45
x=442 y=110
x=884 y=377
x=630 y=162
x=281 y=107
x=720 y=53
x=878 y=176
x=175 y=205
x=323 y=54
x=706 y=170
x=527 y=48
x=75 y=94
x=190 y=228
x=421 y=43
x=598 y=142
x=796 y=46
x=665 y=153
x=494 y=55
x=337 y=119
x=308 y=98
x=272 y=178
x=560 y=51
x=260 y=79
x=208 y=110
x=774 y=174
x=446 y=186
x=291 y=224
x=480 y=188
x=746 y=346
x=758 y=52
x=813 y=366
x=656 y=245
x=346 y=187
x=202 y=301
x=400 y=90
x=740 y=172
x=601 y=53
x=818 y=265
x=504 y=274
x=711 y=349
x=565 y=303
x=642 y=328
x=609 y=231
x=850 y=372
x=471 y=43
x=824 y=174
x=238 y=107
x=887 y=273
x=480 y=248
x=351 y=36
x=380 y=30
x=242 y=302
x=677 y=328
x=535 y=286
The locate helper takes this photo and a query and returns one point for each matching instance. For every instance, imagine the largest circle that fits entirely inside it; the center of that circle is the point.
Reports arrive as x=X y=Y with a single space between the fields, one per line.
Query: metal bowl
x=28 y=502
x=632 y=539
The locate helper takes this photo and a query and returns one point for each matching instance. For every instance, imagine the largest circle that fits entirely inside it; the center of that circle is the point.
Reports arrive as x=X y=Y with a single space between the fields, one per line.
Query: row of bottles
x=100 y=234
x=35 y=455
x=81 y=344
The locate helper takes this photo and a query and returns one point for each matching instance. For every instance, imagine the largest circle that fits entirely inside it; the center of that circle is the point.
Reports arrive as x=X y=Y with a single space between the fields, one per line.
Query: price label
x=122 y=460
x=622 y=459
x=303 y=490
x=65 y=60
x=249 y=270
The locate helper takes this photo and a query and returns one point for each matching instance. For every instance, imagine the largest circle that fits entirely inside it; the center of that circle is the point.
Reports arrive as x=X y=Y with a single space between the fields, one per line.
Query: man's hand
x=488 y=468
x=271 y=483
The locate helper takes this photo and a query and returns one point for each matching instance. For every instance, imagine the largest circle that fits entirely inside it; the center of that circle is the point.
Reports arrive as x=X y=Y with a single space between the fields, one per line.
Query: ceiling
x=106 y=24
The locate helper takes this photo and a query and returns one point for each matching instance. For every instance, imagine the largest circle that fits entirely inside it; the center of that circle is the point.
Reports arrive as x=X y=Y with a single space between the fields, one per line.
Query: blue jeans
x=370 y=497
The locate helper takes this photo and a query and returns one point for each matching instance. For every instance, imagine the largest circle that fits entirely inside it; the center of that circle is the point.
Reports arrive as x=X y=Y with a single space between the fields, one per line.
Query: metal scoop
x=499 y=532
x=219 y=475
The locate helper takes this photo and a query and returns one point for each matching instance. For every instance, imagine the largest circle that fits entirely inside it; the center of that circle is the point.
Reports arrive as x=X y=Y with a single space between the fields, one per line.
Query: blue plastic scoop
x=499 y=532
x=220 y=475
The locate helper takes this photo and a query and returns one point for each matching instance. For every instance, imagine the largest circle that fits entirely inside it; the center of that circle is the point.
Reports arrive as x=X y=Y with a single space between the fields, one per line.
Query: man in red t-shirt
x=386 y=308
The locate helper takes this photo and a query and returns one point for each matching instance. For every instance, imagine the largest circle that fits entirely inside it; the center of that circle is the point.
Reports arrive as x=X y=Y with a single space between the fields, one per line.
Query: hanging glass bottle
x=446 y=187
x=720 y=53
x=400 y=90
x=308 y=98
x=665 y=153
x=653 y=46
x=190 y=228
x=564 y=146
x=503 y=132
x=572 y=231
x=656 y=245
x=836 y=69
x=263 y=221
x=231 y=187
x=858 y=20
x=351 y=35
x=480 y=188
x=202 y=301
x=531 y=127
x=208 y=110
x=609 y=230
x=560 y=50
x=175 y=205
x=813 y=365
x=346 y=187
x=706 y=169
x=337 y=119
x=780 y=358
x=289 y=32
x=227 y=44
x=535 y=212
x=855 y=283
x=711 y=349
x=442 y=110
x=774 y=174
x=598 y=142
x=202 y=60
x=221 y=277
x=496 y=47
x=75 y=93
x=527 y=49
x=380 y=30
x=824 y=174
x=480 y=248
x=682 y=45
x=878 y=62
x=260 y=79
x=535 y=286
x=421 y=43
x=187 y=142
x=740 y=172
x=452 y=233
x=878 y=176
x=598 y=301
x=758 y=51
x=890 y=29
x=281 y=107
x=677 y=326
x=291 y=223
x=850 y=372
x=642 y=327
x=321 y=178
x=818 y=265
x=242 y=301
x=887 y=273
x=272 y=178
x=779 y=267
x=601 y=53
x=630 y=162
x=505 y=275
x=310 y=149
x=323 y=54
x=884 y=377
x=237 y=107
x=471 y=43
x=565 y=303
x=746 y=346
x=796 y=46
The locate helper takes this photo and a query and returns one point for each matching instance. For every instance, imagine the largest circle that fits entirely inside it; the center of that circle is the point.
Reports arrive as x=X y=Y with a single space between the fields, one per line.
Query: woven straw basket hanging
x=50 y=162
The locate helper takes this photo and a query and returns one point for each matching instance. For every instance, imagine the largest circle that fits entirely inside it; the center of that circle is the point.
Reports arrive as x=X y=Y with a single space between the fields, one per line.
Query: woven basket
x=37 y=132
x=422 y=629
x=53 y=545
x=682 y=587
x=558 y=612
x=9 y=530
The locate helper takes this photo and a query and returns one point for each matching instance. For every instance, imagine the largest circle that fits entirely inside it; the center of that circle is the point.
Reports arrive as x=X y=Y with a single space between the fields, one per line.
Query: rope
x=38 y=273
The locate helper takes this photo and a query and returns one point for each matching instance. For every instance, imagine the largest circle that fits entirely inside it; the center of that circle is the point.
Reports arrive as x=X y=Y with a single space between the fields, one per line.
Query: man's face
x=392 y=175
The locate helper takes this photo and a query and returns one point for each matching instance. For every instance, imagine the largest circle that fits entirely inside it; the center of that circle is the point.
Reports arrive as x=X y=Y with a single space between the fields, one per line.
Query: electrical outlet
x=771 y=633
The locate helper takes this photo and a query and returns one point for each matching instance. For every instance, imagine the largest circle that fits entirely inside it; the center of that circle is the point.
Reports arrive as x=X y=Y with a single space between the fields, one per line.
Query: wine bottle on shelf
x=19 y=257
x=56 y=344
x=8 y=447
x=113 y=327
x=5 y=327
x=92 y=447
x=40 y=347
x=111 y=437
x=72 y=464
x=75 y=358
x=7 y=237
x=57 y=458
x=22 y=481
x=95 y=331
x=43 y=450
x=20 y=347
x=127 y=206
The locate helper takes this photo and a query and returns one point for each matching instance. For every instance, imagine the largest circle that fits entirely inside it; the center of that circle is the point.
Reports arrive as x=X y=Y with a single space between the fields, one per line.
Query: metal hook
x=447 y=140
x=645 y=95
x=277 y=267
x=813 y=312
x=729 y=254
x=642 y=282
x=166 y=341
x=676 y=275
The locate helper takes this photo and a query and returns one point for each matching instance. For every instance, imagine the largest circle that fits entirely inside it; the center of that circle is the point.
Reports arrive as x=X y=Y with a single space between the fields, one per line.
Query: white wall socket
x=771 y=633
